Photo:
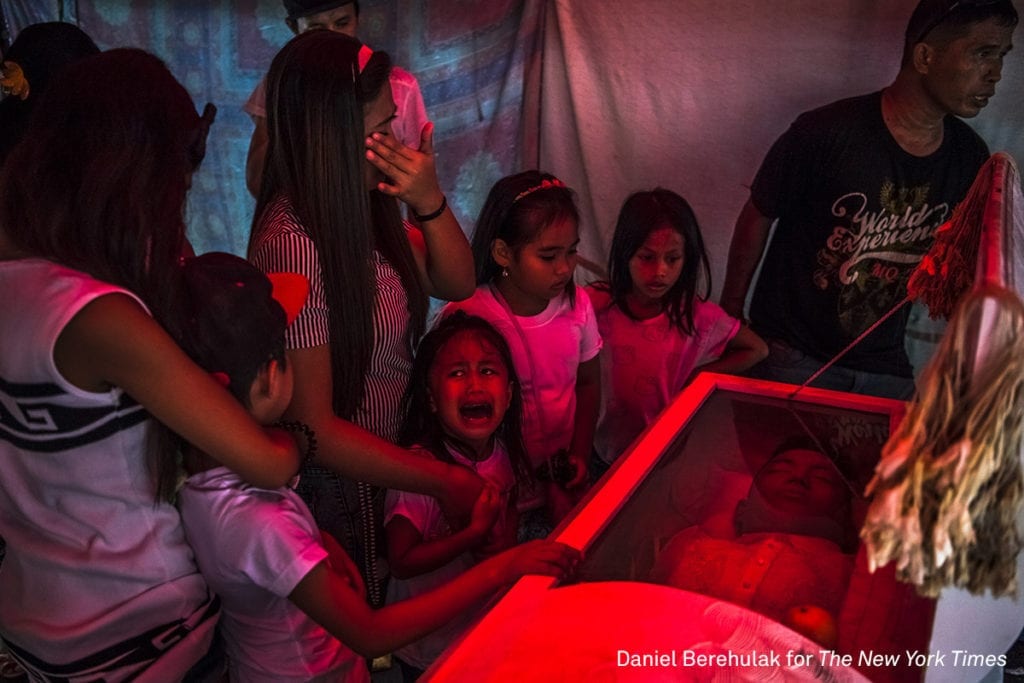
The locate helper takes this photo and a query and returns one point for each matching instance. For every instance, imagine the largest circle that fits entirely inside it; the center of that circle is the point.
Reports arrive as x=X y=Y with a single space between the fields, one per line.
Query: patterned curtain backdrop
x=470 y=58
x=690 y=95
x=679 y=93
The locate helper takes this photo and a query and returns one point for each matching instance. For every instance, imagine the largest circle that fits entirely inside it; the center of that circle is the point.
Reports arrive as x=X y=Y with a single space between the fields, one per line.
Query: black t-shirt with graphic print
x=855 y=214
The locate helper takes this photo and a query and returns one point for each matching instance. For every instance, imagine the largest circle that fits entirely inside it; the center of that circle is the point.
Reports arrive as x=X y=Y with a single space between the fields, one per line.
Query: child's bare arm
x=742 y=352
x=113 y=342
x=342 y=564
x=330 y=601
x=588 y=400
x=354 y=452
x=409 y=555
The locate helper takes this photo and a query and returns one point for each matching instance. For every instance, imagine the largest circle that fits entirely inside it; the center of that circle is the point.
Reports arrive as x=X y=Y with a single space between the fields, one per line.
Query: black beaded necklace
x=304 y=429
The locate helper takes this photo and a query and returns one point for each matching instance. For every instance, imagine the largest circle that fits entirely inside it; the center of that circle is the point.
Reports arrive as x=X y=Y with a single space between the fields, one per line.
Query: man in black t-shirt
x=857 y=189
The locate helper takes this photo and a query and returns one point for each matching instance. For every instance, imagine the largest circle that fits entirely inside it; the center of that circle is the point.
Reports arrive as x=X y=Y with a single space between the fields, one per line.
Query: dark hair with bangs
x=315 y=158
x=423 y=428
x=98 y=184
x=642 y=213
x=517 y=209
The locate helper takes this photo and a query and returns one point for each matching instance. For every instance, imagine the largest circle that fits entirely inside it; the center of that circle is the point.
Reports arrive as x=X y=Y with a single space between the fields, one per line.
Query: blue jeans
x=787 y=364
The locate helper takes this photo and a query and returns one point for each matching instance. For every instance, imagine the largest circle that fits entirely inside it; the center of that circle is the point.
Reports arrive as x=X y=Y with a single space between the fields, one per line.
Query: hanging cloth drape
x=948 y=486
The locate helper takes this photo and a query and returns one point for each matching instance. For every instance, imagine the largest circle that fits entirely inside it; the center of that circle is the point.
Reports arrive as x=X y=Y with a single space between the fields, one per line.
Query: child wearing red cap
x=294 y=603
x=99 y=582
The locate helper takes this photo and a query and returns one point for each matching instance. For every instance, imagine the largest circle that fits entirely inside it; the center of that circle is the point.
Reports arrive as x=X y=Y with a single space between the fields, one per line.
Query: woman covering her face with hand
x=327 y=209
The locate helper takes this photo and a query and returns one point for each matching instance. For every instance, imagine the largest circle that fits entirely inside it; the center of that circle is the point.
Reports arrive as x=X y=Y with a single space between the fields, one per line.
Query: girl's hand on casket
x=547 y=558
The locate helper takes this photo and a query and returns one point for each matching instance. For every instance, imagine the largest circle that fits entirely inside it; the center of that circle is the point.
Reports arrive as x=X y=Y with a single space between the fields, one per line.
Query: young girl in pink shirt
x=524 y=247
x=658 y=327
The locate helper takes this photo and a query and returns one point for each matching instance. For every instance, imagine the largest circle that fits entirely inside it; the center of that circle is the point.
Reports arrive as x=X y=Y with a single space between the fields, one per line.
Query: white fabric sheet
x=690 y=95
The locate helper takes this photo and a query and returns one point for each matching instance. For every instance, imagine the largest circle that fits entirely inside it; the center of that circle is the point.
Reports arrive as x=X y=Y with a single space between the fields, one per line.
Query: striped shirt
x=284 y=246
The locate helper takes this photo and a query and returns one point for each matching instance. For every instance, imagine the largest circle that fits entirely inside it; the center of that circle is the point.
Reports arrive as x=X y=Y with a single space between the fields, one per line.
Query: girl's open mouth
x=476 y=411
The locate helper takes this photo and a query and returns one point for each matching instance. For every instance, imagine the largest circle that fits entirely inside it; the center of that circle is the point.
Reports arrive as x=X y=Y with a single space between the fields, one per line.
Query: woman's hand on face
x=411 y=175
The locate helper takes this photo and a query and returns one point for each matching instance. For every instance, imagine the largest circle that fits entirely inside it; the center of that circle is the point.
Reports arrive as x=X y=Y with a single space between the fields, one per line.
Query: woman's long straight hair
x=98 y=184
x=315 y=156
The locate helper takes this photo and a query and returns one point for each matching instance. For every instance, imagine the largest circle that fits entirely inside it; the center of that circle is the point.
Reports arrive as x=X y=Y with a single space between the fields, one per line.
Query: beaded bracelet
x=431 y=216
x=305 y=430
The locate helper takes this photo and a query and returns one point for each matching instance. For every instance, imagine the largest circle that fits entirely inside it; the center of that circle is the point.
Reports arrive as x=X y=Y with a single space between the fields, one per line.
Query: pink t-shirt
x=547 y=350
x=645 y=364
x=425 y=514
